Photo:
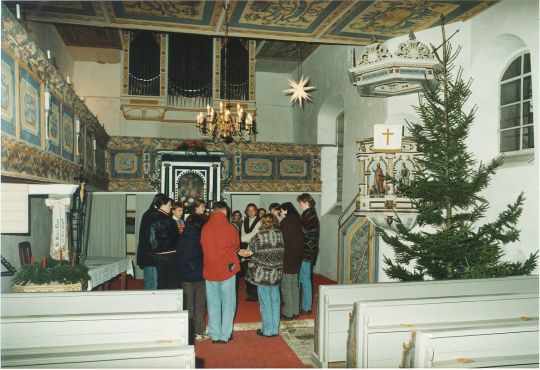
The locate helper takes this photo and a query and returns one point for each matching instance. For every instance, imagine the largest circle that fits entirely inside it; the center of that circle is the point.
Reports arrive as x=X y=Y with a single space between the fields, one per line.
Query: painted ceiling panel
x=315 y=21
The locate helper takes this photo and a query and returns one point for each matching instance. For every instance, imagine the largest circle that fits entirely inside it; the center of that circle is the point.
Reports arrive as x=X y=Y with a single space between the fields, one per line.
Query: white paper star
x=299 y=91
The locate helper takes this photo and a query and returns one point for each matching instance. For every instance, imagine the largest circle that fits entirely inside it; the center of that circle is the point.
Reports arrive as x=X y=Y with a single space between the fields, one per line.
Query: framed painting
x=53 y=126
x=100 y=157
x=80 y=144
x=294 y=168
x=68 y=134
x=29 y=107
x=88 y=151
x=258 y=167
x=126 y=163
x=8 y=106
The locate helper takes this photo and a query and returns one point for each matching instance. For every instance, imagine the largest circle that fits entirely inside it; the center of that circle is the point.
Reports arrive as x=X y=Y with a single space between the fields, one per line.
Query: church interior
x=106 y=103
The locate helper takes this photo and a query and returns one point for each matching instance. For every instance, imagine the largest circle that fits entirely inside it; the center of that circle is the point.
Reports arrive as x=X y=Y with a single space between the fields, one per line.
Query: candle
x=60 y=259
x=32 y=260
x=48 y=54
x=95 y=147
x=73 y=262
x=208 y=108
x=220 y=107
x=78 y=125
x=68 y=80
x=18 y=11
x=43 y=262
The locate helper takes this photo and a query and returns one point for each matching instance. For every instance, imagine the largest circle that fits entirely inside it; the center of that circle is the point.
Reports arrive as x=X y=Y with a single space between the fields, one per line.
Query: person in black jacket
x=157 y=245
x=311 y=229
x=190 y=258
x=293 y=238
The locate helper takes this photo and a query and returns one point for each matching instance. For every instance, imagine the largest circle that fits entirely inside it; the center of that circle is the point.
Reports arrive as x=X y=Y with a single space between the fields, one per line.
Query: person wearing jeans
x=293 y=238
x=221 y=305
x=265 y=269
x=311 y=229
x=220 y=240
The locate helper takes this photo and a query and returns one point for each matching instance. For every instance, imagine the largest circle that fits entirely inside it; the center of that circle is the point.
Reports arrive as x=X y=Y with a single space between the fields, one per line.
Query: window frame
x=521 y=77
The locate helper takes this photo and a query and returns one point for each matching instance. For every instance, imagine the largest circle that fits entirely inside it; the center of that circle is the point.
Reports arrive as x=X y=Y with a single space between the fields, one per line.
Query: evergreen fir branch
x=446 y=192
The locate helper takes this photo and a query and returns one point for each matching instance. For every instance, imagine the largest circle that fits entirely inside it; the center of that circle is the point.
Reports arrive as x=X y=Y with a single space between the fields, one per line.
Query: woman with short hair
x=265 y=270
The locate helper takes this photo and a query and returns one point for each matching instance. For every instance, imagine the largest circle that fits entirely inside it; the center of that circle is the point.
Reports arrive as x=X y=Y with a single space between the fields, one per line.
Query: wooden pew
x=118 y=329
x=495 y=345
x=29 y=304
x=74 y=340
x=335 y=304
x=383 y=331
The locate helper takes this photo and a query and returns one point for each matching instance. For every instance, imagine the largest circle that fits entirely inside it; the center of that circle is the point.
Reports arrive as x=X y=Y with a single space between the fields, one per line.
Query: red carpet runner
x=247 y=349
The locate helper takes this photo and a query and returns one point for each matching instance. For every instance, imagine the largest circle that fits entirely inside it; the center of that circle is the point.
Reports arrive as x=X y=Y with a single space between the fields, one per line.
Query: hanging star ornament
x=299 y=91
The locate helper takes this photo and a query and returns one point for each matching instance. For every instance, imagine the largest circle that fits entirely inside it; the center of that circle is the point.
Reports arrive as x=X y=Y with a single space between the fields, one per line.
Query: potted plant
x=50 y=276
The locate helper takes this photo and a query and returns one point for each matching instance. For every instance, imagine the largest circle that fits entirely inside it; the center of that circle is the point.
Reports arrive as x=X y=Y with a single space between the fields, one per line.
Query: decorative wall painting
x=68 y=135
x=126 y=164
x=88 y=151
x=29 y=107
x=258 y=167
x=8 y=106
x=53 y=126
x=377 y=173
x=293 y=168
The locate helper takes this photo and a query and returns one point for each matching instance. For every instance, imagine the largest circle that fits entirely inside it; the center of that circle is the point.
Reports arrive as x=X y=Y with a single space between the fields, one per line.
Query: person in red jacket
x=220 y=242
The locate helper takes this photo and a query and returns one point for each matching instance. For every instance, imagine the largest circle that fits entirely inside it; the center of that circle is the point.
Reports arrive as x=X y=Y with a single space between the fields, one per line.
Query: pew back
x=88 y=329
x=335 y=303
x=383 y=326
x=513 y=344
x=31 y=304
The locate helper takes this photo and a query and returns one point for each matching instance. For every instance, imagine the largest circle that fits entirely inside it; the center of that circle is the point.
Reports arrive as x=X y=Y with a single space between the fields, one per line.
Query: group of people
x=204 y=254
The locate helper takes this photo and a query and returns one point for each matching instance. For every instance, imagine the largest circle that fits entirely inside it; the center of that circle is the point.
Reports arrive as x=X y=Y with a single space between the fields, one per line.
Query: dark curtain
x=144 y=63
x=190 y=69
x=237 y=70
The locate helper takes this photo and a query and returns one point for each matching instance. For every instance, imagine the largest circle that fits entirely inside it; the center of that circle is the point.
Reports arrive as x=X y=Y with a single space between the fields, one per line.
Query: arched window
x=516 y=107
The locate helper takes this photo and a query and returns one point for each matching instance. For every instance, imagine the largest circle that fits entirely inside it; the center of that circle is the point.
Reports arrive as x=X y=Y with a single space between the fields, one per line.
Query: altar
x=188 y=175
x=103 y=269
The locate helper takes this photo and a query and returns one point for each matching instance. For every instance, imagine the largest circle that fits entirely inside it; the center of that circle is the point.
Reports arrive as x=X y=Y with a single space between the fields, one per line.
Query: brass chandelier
x=225 y=125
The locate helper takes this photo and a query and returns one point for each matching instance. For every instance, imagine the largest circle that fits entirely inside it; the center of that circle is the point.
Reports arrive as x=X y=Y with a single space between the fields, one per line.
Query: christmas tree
x=446 y=191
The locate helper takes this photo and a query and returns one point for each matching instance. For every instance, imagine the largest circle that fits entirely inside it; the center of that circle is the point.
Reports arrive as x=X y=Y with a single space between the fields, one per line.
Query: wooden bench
x=119 y=329
x=335 y=304
x=382 y=332
x=499 y=344
x=29 y=304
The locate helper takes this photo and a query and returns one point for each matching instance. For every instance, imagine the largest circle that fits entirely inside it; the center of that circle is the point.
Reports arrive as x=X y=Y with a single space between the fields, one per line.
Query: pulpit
x=187 y=175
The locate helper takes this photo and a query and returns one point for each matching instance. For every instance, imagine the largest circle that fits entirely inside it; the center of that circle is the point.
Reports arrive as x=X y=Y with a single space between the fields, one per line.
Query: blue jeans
x=304 y=279
x=221 y=304
x=150 y=277
x=270 y=306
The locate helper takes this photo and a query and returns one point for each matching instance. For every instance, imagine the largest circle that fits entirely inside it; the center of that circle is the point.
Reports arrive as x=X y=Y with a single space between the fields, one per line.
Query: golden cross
x=388 y=133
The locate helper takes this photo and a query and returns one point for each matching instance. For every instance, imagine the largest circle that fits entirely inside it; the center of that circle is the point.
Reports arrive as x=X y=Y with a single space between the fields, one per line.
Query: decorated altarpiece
x=187 y=176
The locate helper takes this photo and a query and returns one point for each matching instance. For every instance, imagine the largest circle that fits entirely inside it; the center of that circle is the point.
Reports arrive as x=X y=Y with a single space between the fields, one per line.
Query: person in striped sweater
x=265 y=269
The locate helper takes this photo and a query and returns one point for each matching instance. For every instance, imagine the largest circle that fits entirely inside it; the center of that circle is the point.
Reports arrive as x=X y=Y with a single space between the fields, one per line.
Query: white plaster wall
x=39 y=238
x=327 y=67
x=45 y=35
x=482 y=59
x=328 y=178
x=100 y=84
x=274 y=112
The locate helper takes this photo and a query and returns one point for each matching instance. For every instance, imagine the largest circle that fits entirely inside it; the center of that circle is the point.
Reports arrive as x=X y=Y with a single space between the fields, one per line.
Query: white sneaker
x=201 y=337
